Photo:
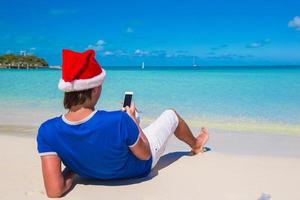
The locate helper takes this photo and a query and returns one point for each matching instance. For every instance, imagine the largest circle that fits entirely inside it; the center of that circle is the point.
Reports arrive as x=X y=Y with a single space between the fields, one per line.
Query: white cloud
x=254 y=45
x=108 y=53
x=98 y=46
x=100 y=43
x=259 y=44
x=129 y=30
x=139 y=52
x=121 y=53
x=144 y=53
x=295 y=23
x=32 y=49
x=229 y=56
x=177 y=54
x=158 y=53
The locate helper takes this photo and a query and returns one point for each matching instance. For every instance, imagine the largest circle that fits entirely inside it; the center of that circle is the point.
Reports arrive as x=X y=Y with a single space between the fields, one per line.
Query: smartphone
x=127 y=99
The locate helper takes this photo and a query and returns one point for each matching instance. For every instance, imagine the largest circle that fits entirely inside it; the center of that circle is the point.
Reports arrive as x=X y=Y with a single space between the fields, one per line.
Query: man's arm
x=142 y=148
x=56 y=182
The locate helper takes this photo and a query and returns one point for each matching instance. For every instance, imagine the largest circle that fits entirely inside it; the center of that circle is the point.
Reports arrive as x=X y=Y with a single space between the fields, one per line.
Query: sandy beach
x=238 y=166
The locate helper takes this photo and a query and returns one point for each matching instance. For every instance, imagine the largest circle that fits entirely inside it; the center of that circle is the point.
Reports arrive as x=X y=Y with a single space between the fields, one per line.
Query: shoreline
x=221 y=141
x=11 y=122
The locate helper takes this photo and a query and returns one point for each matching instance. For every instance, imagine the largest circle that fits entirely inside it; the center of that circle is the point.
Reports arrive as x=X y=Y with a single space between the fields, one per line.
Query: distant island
x=22 y=61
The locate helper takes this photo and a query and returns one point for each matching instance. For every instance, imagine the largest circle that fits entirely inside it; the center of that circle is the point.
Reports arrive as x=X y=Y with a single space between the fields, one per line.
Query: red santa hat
x=80 y=71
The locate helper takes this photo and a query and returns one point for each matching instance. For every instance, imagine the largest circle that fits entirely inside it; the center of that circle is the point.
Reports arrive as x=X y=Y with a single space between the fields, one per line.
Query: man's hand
x=131 y=111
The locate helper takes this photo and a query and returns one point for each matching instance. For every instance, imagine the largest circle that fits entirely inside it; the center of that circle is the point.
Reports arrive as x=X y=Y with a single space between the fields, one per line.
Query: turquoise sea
x=229 y=98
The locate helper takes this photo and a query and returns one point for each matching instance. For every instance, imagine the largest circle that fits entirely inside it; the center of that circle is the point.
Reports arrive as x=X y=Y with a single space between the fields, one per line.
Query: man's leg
x=183 y=133
x=168 y=123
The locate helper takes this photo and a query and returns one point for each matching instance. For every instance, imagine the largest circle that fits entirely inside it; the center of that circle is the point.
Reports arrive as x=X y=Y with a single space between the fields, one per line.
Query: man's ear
x=96 y=90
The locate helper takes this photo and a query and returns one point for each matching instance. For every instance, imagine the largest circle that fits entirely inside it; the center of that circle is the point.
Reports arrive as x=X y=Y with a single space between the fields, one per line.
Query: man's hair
x=76 y=97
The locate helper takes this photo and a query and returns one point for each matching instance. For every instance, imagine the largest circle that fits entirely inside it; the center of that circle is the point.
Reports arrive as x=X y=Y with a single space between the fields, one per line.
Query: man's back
x=96 y=146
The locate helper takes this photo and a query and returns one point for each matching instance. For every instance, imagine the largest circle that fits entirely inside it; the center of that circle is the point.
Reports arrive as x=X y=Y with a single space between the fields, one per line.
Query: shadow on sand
x=163 y=162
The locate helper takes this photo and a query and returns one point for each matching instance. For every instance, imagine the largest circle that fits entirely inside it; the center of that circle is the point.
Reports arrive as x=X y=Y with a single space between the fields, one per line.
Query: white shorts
x=159 y=132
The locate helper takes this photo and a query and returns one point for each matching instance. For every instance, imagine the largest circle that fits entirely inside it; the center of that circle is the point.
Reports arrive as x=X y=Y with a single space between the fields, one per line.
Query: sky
x=157 y=32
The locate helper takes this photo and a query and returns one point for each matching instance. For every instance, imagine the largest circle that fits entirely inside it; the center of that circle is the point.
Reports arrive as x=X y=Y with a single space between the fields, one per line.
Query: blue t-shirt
x=96 y=147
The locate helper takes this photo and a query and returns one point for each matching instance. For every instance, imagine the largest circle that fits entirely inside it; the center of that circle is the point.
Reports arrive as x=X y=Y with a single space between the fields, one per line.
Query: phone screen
x=127 y=99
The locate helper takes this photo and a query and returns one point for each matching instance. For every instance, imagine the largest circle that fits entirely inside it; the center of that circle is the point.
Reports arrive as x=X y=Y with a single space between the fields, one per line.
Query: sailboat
x=194 y=63
x=143 y=65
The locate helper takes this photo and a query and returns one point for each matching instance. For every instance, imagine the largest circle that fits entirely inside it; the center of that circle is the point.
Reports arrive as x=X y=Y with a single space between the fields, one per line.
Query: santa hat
x=80 y=71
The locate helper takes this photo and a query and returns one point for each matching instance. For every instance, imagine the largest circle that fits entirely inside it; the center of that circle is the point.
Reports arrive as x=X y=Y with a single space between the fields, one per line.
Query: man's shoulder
x=110 y=115
x=48 y=124
x=50 y=121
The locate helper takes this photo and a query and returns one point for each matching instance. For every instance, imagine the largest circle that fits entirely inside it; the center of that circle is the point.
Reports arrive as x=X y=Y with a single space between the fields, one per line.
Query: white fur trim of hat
x=82 y=84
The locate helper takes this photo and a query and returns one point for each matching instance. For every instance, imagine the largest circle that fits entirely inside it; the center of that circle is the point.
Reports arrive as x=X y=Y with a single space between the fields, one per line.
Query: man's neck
x=77 y=114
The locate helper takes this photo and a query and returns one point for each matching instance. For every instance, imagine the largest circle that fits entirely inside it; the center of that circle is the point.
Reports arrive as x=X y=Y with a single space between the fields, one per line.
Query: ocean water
x=221 y=97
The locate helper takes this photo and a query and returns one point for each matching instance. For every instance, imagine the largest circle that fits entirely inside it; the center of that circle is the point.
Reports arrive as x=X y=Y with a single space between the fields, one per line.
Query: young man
x=100 y=144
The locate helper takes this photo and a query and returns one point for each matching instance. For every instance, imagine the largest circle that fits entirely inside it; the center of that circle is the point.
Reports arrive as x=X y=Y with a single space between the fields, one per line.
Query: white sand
x=213 y=175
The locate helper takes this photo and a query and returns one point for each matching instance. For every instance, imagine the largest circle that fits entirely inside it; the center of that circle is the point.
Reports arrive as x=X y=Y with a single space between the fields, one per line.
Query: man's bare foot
x=202 y=138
